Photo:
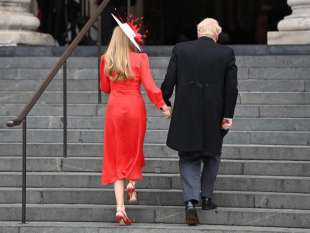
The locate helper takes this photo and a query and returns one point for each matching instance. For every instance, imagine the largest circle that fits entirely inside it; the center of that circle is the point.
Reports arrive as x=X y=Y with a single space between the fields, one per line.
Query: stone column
x=18 y=26
x=295 y=28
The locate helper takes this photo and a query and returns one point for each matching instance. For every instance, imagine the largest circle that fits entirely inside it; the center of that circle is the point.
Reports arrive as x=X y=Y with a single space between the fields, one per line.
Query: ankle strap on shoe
x=120 y=208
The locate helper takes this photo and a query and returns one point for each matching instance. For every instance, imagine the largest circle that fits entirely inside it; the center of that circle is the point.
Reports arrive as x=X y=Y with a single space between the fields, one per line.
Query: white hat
x=129 y=32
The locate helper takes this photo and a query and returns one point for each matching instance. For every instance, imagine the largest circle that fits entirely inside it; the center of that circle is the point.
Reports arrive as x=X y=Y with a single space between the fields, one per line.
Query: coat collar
x=206 y=38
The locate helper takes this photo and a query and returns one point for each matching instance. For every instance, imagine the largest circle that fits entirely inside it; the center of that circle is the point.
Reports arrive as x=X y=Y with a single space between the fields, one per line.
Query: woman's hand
x=167 y=111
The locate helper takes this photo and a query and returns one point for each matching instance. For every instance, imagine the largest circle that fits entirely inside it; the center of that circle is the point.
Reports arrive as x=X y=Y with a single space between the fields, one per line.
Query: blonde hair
x=117 y=57
x=209 y=27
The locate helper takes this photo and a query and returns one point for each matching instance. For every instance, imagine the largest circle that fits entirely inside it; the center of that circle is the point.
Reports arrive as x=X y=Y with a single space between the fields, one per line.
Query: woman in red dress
x=122 y=72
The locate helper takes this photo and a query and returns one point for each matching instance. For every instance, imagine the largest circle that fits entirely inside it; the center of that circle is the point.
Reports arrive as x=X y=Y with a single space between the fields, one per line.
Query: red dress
x=125 y=120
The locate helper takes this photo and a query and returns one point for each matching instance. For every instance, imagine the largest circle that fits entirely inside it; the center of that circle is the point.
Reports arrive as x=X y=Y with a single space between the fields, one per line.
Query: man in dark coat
x=205 y=76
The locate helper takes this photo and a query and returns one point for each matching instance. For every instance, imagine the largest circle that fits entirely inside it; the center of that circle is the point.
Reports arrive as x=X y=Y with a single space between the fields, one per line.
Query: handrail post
x=24 y=170
x=66 y=22
x=65 y=141
x=99 y=42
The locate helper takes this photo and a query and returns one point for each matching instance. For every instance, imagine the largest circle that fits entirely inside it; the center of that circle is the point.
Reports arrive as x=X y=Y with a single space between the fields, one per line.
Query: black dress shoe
x=208 y=204
x=191 y=216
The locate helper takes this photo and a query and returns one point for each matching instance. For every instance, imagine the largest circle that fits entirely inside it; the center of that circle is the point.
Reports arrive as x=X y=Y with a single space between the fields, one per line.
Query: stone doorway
x=243 y=21
x=169 y=22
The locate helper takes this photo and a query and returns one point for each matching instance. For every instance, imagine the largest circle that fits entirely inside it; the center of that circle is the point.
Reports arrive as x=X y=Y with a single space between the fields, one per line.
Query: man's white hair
x=209 y=27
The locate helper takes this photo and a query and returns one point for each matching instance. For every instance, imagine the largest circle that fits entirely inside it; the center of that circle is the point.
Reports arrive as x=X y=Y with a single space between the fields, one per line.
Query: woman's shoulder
x=139 y=55
x=139 y=59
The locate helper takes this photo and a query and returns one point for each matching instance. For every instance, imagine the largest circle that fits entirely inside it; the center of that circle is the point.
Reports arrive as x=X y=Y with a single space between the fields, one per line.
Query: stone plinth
x=18 y=25
x=295 y=28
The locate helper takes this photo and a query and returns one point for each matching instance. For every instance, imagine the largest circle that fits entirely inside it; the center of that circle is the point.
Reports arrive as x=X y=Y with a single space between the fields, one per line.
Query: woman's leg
x=132 y=193
x=121 y=216
x=133 y=182
x=119 y=194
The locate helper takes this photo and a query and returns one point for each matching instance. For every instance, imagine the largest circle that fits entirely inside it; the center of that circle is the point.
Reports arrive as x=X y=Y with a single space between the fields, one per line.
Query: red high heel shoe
x=122 y=219
x=131 y=193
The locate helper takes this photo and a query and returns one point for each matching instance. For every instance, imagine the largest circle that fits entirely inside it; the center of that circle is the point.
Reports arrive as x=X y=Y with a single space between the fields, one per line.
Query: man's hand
x=226 y=123
x=167 y=111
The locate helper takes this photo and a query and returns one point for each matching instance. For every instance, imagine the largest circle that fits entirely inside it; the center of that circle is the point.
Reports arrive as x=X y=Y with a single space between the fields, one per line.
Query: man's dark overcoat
x=205 y=76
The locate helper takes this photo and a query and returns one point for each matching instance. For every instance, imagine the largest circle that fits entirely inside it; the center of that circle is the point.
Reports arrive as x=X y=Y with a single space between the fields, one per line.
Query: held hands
x=167 y=111
x=226 y=123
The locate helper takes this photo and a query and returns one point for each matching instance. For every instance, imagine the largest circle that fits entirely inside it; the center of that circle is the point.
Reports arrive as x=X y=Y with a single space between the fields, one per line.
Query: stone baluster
x=294 y=28
x=18 y=26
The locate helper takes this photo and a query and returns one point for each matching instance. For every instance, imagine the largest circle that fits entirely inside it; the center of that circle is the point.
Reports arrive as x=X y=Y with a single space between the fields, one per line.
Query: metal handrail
x=57 y=66
x=62 y=62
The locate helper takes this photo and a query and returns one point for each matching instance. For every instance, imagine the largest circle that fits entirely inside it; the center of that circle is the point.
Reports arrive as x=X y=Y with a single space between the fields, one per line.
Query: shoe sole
x=192 y=218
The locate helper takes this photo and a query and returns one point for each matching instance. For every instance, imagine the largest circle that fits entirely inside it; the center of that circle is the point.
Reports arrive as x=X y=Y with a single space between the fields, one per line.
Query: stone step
x=156 y=214
x=158 y=165
x=159 y=181
x=87 y=85
x=260 y=73
x=158 y=123
x=156 y=136
x=98 y=227
x=274 y=98
x=40 y=74
x=161 y=61
x=252 y=111
x=52 y=97
x=241 y=199
x=230 y=151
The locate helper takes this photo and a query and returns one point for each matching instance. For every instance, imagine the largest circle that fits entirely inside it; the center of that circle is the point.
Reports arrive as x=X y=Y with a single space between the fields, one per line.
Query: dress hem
x=111 y=181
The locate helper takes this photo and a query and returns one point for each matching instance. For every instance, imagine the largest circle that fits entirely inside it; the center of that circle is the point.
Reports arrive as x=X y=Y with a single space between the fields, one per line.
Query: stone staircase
x=264 y=181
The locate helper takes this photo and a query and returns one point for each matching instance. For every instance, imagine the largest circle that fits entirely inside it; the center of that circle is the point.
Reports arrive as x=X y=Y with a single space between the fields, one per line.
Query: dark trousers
x=198 y=183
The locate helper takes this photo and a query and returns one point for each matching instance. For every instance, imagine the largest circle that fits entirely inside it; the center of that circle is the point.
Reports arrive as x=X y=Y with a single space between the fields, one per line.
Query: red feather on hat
x=136 y=24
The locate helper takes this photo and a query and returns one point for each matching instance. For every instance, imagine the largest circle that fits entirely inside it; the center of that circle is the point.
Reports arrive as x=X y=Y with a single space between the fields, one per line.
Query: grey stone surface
x=257 y=73
x=264 y=176
x=150 y=214
x=90 y=97
x=240 y=199
x=272 y=85
x=90 y=227
x=279 y=73
x=73 y=73
x=274 y=152
x=271 y=124
x=289 y=37
x=42 y=109
x=69 y=227
x=46 y=62
x=158 y=165
x=17 y=37
x=277 y=98
x=294 y=111
x=155 y=136
x=160 y=181
x=4 y=229
x=160 y=123
x=267 y=152
x=236 y=217
x=155 y=51
x=257 y=183
x=273 y=61
x=91 y=85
